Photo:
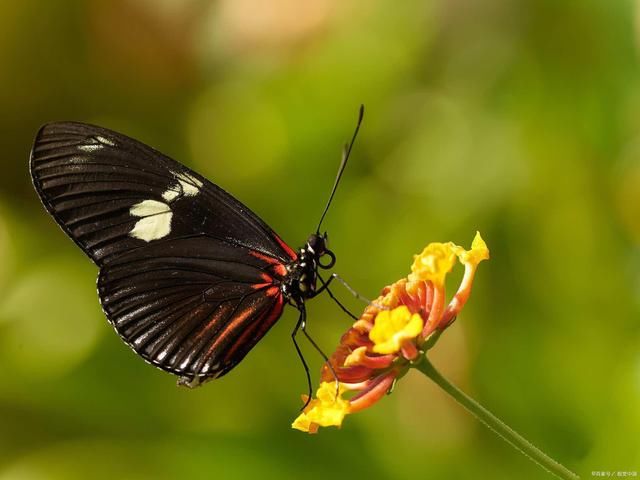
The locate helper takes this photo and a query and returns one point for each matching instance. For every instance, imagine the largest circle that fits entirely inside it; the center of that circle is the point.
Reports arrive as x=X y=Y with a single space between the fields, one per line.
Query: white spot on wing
x=187 y=185
x=190 y=184
x=90 y=148
x=170 y=194
x=105 y=140
x=156 y=216
x=149 y=207
x=155 y=222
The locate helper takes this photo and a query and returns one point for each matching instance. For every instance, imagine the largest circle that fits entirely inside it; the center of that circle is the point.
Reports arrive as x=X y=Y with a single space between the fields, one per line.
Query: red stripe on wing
x=237 y=321
x=259 y=327
x=281 y=270
x=292 y=254
x=276 y=265
x=219 y=315
x=273 y=291
x=265 y=258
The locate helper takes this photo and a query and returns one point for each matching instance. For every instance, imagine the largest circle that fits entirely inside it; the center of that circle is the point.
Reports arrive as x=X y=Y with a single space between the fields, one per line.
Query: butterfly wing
x=193 y=306
x=189 y=276
x=111 y=193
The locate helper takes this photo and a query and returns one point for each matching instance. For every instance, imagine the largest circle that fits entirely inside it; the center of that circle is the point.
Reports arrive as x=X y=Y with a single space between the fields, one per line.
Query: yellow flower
x=437 y=259
x=433 y=264
x=391 y=334
x=327 y=409
x=393 y=327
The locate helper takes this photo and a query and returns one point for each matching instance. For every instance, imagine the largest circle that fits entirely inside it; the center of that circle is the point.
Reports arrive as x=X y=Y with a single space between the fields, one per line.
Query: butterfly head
x=318 y=246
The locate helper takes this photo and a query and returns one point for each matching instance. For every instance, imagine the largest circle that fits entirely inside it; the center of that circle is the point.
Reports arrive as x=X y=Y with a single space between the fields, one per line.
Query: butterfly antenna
x=345 y=156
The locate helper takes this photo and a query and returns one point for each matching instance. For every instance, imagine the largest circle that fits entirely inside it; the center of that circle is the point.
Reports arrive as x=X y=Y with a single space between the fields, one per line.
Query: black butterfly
x=190 y=278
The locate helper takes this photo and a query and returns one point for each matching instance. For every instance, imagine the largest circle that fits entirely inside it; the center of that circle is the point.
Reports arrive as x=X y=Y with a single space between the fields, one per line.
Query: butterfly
x=189 y=277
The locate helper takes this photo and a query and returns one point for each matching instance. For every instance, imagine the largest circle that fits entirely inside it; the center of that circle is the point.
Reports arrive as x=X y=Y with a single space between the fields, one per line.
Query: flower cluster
x=393 y=333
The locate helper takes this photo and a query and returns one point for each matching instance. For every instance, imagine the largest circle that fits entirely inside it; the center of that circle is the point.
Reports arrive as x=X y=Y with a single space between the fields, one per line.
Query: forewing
x=193 y=306
x=111 y=194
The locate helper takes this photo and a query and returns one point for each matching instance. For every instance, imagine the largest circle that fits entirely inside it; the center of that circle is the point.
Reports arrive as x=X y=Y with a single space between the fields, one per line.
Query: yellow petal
x=355 y=357
x=478 y=252
x=302 y=423
x=328 y=409
x=393 y=327
x=433 y=264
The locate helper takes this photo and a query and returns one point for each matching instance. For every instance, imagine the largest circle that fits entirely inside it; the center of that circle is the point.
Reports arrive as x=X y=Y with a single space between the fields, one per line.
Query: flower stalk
x=494 y=423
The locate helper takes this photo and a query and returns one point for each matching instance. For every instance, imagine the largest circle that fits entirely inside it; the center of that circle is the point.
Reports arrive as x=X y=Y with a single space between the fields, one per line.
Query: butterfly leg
x=344 y=309
x=325 y=286
x=301 y=324
x=326 y=360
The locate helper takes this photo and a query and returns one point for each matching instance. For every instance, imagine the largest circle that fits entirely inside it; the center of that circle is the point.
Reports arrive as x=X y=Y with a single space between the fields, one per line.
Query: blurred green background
x=520 y=119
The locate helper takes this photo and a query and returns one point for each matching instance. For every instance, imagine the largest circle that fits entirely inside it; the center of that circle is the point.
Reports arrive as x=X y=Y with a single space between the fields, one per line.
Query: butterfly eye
x=332 y=260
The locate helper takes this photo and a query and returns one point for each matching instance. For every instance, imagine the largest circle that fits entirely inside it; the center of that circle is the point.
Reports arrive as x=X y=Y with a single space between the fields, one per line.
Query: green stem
x=494 y=423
